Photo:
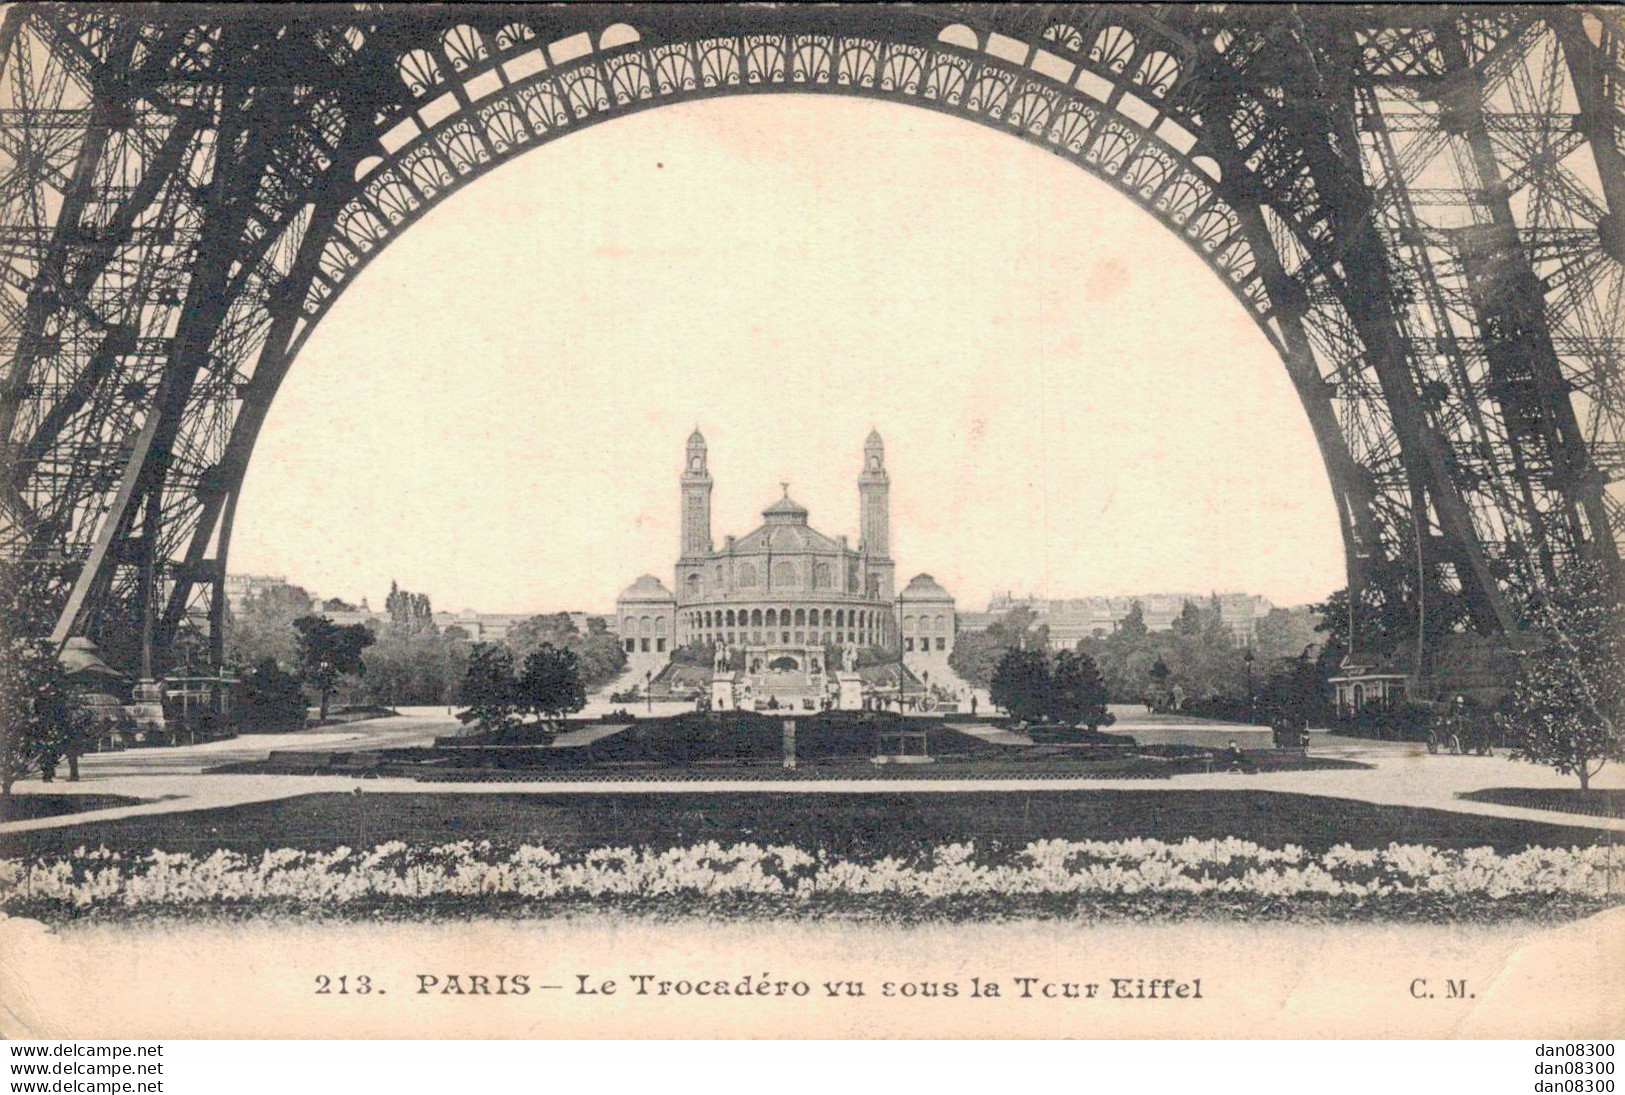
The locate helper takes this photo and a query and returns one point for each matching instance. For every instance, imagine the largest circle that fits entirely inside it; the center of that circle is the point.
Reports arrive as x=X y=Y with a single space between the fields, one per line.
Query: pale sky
x=494 y=413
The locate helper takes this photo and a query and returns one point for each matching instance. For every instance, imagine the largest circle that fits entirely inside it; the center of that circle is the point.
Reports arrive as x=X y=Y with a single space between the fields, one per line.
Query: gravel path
x=172 y=780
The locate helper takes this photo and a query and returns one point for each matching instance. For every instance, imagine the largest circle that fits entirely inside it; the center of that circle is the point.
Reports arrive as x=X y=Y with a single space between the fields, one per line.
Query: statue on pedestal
x=720 y=661
x=849 y=659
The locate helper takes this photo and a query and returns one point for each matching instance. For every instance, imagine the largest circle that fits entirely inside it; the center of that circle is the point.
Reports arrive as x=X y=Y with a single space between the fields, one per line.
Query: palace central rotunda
x=784 y=589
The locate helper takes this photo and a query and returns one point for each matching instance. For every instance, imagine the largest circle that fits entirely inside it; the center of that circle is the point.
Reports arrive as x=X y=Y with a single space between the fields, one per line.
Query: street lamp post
x=1252 y=711
x=648 y=683
x=900 y=667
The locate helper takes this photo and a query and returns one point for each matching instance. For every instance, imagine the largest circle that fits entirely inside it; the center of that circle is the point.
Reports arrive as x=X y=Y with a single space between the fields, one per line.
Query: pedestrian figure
x=1234 y=759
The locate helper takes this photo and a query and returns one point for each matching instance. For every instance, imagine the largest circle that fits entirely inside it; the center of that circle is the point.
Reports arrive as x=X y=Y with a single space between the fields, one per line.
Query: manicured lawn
x=856 y=825
x=1595 y=801
x=28 y=807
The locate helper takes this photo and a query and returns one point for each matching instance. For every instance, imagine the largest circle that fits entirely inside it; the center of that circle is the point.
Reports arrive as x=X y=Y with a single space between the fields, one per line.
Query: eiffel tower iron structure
x=1421 y=207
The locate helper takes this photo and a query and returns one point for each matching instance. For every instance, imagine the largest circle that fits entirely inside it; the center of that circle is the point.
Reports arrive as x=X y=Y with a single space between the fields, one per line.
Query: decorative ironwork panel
x=1421 y=208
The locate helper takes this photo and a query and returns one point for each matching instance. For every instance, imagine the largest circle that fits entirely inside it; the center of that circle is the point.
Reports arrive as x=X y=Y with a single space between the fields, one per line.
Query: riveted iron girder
x=1418 y=206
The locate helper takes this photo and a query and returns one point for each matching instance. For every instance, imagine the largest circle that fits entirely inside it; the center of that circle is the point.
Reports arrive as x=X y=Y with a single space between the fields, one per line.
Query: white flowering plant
x=1134 y=877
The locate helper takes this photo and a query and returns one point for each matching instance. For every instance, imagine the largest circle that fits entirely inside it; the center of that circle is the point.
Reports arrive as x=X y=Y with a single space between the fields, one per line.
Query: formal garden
x=934 y=856
x=906 y=851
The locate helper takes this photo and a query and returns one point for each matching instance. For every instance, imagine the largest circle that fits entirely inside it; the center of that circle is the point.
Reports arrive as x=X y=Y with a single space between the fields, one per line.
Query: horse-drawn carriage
x=880 y=699
x=1289 y=734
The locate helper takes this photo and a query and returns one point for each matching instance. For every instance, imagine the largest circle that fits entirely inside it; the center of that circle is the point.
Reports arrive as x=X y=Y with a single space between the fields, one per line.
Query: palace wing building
x=785 y=587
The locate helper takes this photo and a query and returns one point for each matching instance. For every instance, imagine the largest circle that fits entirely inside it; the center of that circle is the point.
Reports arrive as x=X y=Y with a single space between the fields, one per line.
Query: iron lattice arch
x=1421 y=208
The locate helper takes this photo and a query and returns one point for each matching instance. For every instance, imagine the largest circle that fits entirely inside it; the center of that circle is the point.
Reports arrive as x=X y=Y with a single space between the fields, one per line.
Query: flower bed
x=1134 y=878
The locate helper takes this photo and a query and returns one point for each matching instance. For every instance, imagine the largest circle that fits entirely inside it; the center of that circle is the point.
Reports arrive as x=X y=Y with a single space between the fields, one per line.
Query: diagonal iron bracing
x=1423 y=209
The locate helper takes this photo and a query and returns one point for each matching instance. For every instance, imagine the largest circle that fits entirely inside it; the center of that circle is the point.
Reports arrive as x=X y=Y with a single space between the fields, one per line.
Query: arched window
x=730 y=617
x=716 y=574
x=747 y=574
x=942 y=622
x=693 y=583
x=784 y=575
x=908 y=624
x=772 y=618
x=756 y=617
x=801 y=617
x=647 y=625
x=821 y=576
x=840 y=617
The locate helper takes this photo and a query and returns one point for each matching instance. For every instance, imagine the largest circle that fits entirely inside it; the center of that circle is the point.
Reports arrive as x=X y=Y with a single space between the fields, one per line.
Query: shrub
x=269 y=701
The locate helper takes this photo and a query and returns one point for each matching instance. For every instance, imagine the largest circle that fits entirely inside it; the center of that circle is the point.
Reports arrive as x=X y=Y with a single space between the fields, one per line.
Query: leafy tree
x=555 y=628
x=551 y=683
x=1160 y=674
x=1124 y=657
x=1188 y=624
x=408 y=611
x=1196 y=657
x=490 y=690
x=338 y=604
x=328 y=651
x=39 y=709
x=1020 y=683
x=1567 y=705
x=871 y=656
x=598 y=651
x=1077 y=692
x=977 y=654
x=264 y=626
x=1385 y=614
x=416 y=666
x=269 y=700
x=703 y=653
x=1132 y=627
x=1209 y=664
x=1292 y=691
x=1286 y=633
x=696 y=652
